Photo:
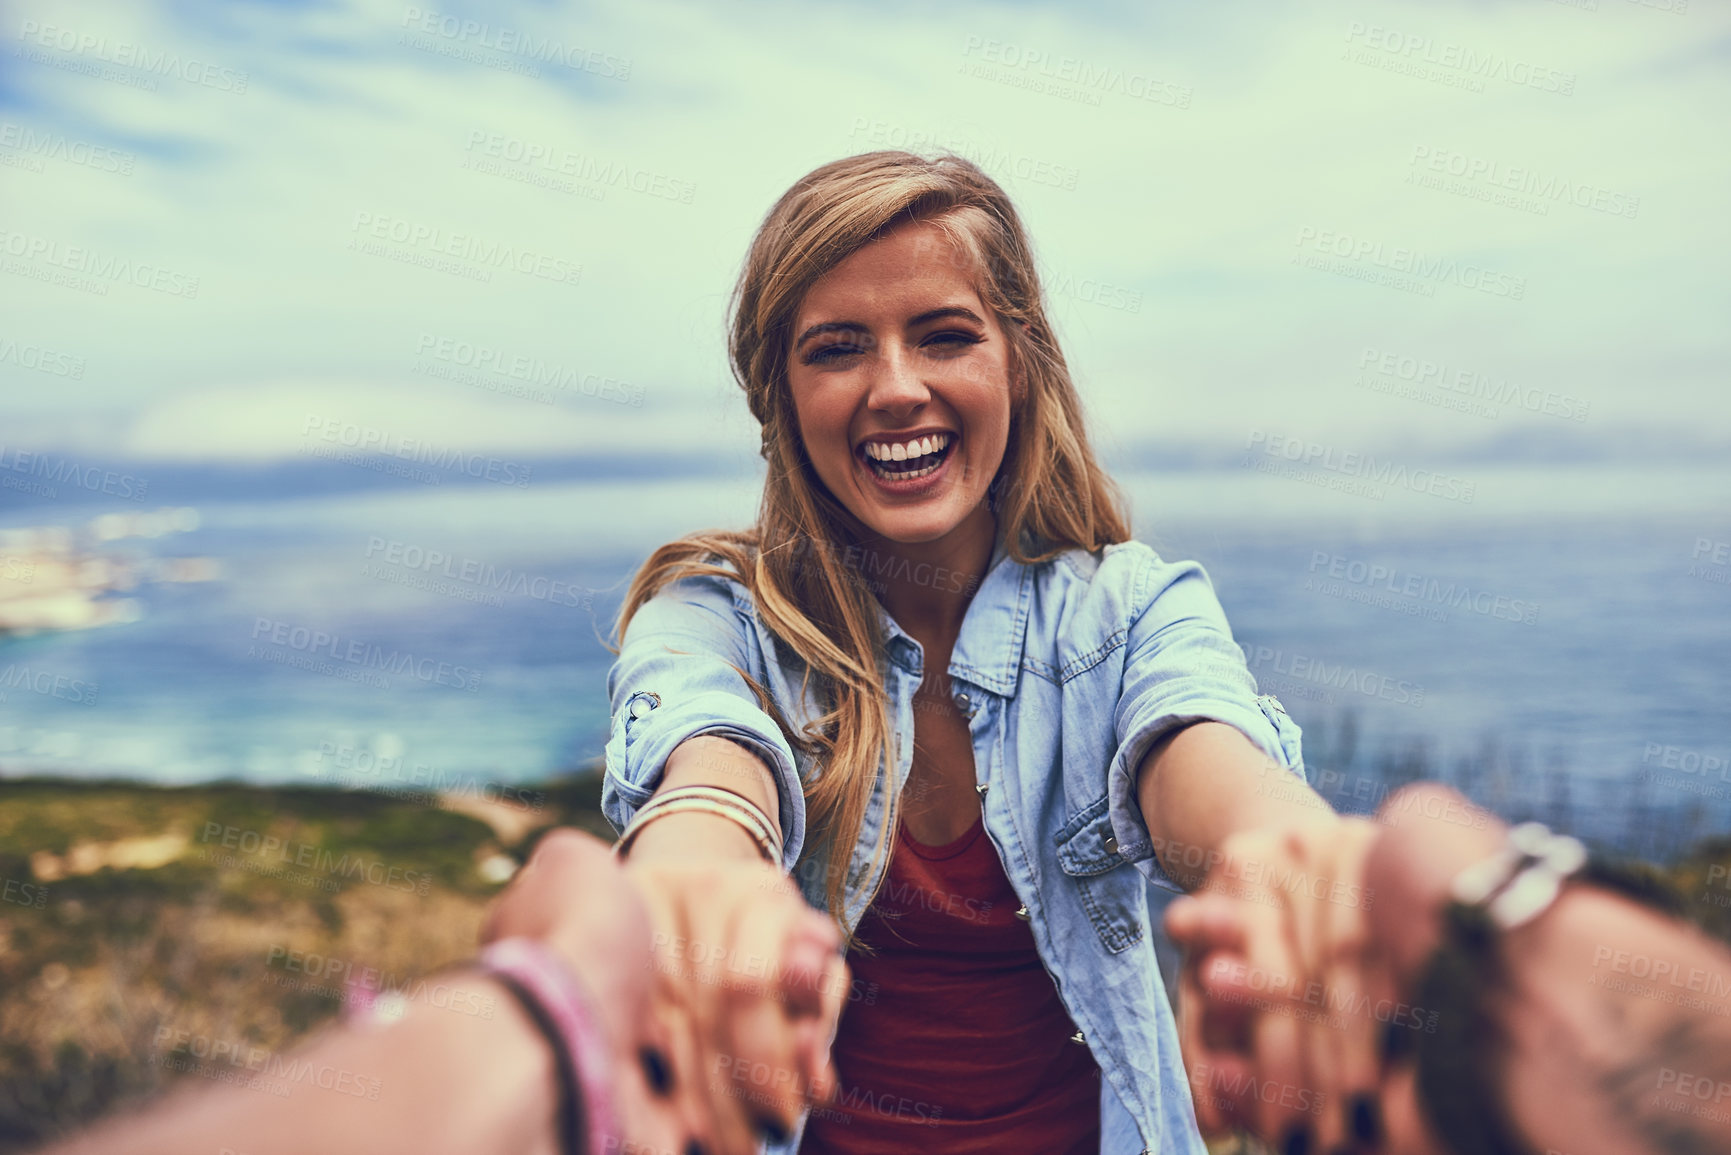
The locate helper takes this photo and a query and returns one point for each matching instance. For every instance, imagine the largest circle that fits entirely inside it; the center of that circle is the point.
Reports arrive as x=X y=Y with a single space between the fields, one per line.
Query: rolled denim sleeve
x=680 y=673
x=1182 y=667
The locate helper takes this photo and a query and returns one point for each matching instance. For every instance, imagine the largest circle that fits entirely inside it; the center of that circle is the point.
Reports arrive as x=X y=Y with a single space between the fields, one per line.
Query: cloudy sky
x=225 y=222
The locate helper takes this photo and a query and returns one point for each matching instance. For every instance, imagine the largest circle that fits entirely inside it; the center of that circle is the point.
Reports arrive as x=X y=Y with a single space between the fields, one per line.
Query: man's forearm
x=1207 y=782
x=439 y=1081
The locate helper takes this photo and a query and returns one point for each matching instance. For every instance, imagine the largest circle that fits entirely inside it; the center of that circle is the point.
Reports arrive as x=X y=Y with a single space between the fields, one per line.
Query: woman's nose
x=896 y=384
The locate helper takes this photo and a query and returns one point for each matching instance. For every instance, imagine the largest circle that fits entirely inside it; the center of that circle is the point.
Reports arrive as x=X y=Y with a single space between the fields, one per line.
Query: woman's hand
x=679 y=1029
x=750 y=984
x=1278 y=1017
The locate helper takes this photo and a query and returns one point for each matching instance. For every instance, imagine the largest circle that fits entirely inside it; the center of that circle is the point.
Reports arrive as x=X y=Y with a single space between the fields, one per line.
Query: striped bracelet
x=708 y=800
x=561 y=1009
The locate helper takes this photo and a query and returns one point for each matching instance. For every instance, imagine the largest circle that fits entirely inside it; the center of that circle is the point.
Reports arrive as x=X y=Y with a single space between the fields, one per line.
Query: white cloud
x=1196 y=209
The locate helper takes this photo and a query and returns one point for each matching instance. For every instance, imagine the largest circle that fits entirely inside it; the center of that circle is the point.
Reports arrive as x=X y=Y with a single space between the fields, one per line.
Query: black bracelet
x=572 y=1124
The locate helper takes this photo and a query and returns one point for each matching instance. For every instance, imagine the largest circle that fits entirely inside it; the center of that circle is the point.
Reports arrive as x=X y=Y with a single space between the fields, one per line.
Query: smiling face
x=901 y=383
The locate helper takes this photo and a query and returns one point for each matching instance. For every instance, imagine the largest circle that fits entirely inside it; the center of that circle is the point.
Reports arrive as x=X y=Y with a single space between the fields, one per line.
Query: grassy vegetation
x=95 y=967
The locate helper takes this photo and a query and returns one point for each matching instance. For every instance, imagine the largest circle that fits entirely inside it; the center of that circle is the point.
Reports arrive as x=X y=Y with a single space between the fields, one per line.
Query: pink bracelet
x=562 y=1009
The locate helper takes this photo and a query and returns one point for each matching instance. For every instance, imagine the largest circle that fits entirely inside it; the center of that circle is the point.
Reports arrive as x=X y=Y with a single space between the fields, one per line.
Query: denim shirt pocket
x=1110 y=888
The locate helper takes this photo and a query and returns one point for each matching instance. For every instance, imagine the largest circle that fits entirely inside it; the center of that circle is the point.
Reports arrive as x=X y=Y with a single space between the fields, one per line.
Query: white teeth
x=906 y=450
x=910 y=475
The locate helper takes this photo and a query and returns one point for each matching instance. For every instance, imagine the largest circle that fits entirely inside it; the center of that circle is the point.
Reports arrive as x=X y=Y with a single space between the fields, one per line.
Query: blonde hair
x=1049 y=493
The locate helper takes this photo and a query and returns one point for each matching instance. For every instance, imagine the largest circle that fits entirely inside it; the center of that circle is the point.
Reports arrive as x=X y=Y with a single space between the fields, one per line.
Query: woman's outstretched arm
x=686 y=715
x=1206 y=782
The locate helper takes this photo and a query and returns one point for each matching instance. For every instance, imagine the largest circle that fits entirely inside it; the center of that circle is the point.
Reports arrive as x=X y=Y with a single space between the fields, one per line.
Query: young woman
x=939 y=683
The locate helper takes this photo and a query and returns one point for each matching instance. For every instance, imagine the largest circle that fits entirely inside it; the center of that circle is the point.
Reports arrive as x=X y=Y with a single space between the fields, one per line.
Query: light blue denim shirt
x=1067 y=671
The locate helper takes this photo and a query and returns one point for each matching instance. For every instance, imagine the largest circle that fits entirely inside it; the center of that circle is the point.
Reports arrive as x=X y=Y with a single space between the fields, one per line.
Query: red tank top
x=958 y=1043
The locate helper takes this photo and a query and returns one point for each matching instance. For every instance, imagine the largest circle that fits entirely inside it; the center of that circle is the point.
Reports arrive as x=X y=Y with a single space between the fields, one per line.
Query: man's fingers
x=1269 y=983
x=696 y=1078
x=1226 y=1021
x=819 y=1036
x=1356 y=1067
x=1296 y=980
x=1205 y=922
x=1280 y=1058
x=769 y=1062
x=1329 y=918
x=668 y=1114
x=1193 y=1008
x=777 y=963
x=1225 y=1085
x=1327 y=997
x=807 y=956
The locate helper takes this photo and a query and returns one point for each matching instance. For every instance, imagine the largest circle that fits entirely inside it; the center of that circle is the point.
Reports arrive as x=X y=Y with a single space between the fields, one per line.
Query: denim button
x=642 y=702
x=1111 y=846
x=1080 y=1038
x=982 y=788
x=963 y=702
x=1022 y=912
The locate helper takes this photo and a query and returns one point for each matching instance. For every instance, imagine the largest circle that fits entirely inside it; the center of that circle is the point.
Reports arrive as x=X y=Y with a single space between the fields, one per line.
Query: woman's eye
x=951 y=340
x=827 y=353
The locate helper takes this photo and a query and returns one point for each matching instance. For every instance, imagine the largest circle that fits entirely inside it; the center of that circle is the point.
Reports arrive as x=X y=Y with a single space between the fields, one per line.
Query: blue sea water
x=1556 y=644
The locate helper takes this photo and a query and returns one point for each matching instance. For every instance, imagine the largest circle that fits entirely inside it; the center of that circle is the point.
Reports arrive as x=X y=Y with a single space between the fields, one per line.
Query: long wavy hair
x=1049 y=493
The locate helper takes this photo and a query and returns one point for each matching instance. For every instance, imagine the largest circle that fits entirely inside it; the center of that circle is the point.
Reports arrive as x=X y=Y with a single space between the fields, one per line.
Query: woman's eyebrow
x=946 y=311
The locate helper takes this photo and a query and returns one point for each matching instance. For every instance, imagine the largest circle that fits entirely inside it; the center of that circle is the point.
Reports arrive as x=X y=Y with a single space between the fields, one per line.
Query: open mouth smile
x=907 y=460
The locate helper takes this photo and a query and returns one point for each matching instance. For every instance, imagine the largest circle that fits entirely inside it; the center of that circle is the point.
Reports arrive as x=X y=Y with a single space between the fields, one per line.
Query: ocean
x=1560 y=645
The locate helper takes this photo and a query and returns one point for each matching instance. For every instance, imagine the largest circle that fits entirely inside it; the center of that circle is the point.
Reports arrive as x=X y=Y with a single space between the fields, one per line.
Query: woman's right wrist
x=691 y=835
